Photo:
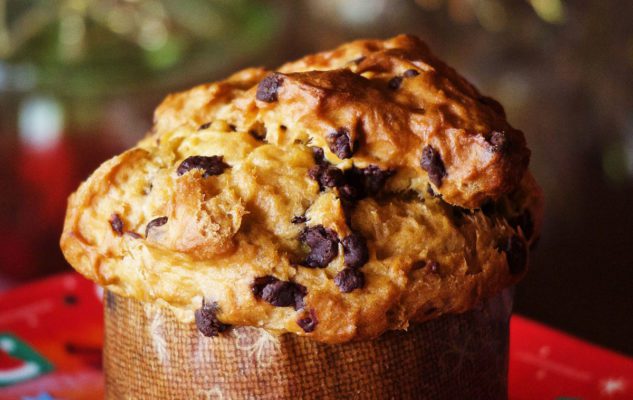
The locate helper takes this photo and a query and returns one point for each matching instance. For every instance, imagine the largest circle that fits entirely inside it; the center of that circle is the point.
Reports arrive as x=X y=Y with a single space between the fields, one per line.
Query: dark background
x=78 y=85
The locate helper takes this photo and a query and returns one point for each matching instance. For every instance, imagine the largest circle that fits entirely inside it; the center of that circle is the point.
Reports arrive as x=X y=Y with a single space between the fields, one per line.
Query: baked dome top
x=345 y=194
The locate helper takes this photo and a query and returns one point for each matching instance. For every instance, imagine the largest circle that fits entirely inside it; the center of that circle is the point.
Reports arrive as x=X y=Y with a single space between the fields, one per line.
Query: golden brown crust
x=323 y=92
x=211 y=234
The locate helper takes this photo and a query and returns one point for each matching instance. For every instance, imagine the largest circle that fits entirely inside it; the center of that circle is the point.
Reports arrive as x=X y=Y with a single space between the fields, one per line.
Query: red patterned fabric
x=60 y=320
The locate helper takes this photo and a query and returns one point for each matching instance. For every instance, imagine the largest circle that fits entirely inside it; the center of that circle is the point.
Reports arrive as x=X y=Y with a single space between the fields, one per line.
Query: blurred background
x=79 y=80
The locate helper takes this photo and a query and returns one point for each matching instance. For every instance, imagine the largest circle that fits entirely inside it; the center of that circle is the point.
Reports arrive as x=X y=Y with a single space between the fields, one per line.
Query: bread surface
x=345 y=194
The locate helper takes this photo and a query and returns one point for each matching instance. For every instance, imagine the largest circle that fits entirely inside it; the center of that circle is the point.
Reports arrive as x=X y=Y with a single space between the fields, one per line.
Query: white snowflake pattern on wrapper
x=257 y=342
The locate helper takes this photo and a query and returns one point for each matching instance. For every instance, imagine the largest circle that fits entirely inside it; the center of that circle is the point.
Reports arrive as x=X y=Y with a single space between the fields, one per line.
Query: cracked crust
x=434 y=235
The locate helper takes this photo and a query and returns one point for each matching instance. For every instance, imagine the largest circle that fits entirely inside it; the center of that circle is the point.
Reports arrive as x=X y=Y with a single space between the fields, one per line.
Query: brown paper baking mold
x=148 y=354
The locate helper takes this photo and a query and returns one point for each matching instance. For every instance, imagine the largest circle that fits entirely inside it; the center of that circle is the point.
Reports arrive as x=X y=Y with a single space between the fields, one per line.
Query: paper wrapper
x=148 y=354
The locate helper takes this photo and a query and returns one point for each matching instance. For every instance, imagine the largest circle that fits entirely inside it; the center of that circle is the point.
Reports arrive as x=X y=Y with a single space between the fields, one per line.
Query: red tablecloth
x=51 y=336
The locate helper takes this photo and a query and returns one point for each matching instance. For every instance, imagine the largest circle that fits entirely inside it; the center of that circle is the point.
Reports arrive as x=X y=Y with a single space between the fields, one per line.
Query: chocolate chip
x=355 y=250
x=318 y=155
x=326 y=175
x=331 y=177
x=204 y=126
x=375 y=178
x=299 y=219
x=498 y=142
x=279 y=293
x=134 y=235
x=362 y=182
x=117 y=224
x=315 y=173
x=410 y=73
x=394 y=83
x=525 y=222
x=213 y=165
x=349 y=192
x=432 y=163
x=267 y=88
x=308 y=323
x=207 y=321
x=340 y=143
x=353 y=183
x=516 y=253
x=323 y=245
x=156 y=222
x=259 y=283
x=349 y=279
x=232 y=128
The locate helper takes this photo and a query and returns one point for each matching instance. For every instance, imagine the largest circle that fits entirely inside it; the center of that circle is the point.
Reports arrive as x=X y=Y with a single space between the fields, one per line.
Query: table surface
x=51 y=338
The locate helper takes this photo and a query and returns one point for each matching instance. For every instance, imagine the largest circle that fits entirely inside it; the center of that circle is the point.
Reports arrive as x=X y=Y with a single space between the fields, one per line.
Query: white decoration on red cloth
x=29 y=313
x=611 y=386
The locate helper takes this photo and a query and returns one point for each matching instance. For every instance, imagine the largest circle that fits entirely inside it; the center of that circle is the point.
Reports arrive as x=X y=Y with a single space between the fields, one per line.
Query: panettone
x=345 y=194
